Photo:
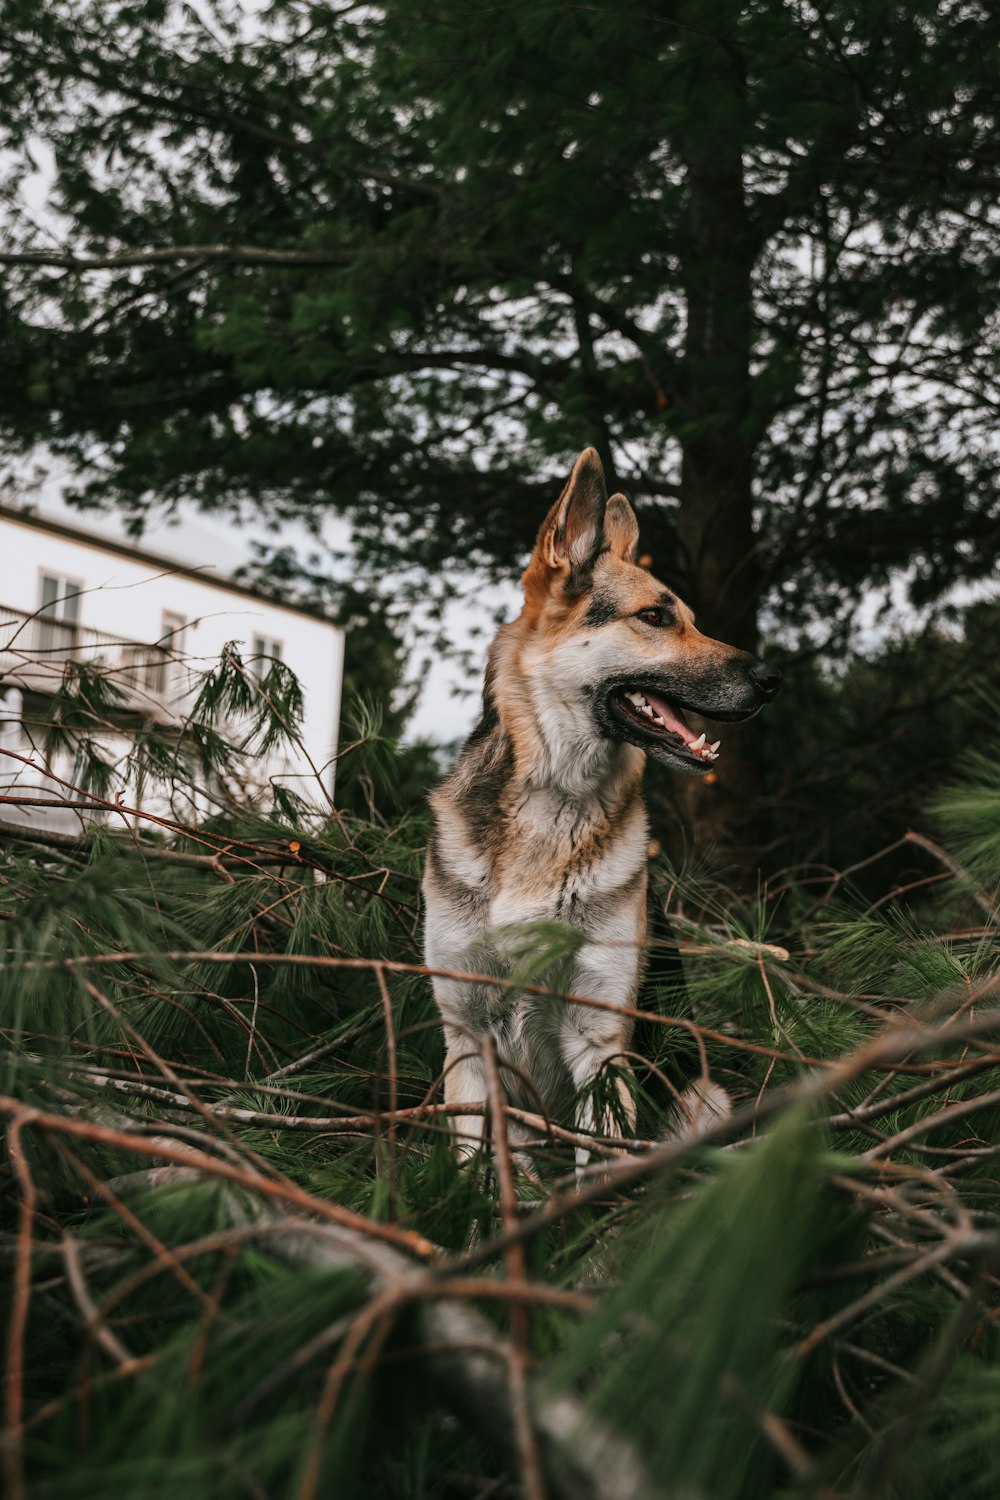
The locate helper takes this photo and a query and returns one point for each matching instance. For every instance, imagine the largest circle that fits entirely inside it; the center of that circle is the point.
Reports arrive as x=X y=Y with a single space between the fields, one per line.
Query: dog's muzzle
x=650 y=712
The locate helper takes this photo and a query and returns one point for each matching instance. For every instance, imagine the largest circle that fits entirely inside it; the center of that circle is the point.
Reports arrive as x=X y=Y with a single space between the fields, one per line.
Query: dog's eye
x=658 y=617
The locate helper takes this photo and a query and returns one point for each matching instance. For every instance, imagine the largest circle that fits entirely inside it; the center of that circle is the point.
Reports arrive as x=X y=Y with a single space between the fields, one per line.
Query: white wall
x=127 y=596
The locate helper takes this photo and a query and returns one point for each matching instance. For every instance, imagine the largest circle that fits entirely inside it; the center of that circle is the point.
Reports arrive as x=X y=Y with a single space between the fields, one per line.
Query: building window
x=163 y=667
x=59 y=613
x=172 y=628
x=266 y=651
x=154 y=668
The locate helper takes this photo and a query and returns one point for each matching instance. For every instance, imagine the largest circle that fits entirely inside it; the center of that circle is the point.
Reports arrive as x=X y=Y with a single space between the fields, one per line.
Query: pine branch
x=467 y=1360
x=231 y=255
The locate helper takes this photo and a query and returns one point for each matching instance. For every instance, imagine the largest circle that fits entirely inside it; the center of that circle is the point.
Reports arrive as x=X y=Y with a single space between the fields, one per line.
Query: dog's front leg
x=592 y=1042
x=595 y=1041
x=465 y=1083
x=454 y=947
x=469 y=1010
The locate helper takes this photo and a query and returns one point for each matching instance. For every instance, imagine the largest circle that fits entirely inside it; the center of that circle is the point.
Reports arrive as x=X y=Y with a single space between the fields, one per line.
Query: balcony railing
x=35 y=651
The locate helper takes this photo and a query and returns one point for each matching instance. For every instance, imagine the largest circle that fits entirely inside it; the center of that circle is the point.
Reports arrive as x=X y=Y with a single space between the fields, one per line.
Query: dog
x=542 y=817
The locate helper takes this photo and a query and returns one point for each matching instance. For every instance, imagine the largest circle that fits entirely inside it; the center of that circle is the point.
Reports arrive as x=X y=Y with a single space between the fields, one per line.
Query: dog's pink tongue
x=670 y=716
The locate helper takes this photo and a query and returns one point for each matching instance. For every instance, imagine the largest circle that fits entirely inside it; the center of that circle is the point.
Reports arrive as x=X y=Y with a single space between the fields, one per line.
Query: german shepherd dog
x=542 y=817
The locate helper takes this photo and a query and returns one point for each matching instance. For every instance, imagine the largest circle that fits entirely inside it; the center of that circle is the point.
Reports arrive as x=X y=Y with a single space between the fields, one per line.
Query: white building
x=154 y=624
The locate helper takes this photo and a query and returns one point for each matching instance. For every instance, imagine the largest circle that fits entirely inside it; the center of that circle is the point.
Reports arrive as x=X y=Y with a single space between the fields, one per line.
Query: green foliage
x=268 y=703
x=969 y=812
x=230 y=1212
x=375 y=261
x=713 y=1293
x=855 y=757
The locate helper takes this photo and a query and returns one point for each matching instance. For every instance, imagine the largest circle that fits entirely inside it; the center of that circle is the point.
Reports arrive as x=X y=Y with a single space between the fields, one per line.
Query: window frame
x=53 y=631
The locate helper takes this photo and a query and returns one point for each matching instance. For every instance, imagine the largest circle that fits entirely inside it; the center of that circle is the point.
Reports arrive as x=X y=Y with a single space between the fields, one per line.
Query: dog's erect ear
x=576 y=535
x=571 y=537
x=621 y=529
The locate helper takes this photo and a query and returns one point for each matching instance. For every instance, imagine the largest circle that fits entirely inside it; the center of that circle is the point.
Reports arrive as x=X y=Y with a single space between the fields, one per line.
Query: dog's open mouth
x=664 y=720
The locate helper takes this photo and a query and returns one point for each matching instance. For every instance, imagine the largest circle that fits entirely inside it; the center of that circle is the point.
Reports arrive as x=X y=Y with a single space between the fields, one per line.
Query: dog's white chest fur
x=563 y=861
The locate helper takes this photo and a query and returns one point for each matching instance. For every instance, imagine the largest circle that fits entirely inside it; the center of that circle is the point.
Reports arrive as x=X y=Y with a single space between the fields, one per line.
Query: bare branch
x=230 y=255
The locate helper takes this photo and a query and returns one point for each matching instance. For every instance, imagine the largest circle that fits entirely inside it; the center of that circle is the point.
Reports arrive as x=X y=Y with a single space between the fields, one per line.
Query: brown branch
x=220 y=848
x=854 y=1117
x=527 y=1449
x=282 y=1192
x=933 y=1122
x=468 y=1361
x=300 y=1064
x=898 y=1434
x=376 y=1319
x=877 y=1294
x=93 y=1319
x=309 y=960
x=14 y=1403
x=988 y=907
x=164 y=1255
x=390 y=1042
x=460 y=1350
x=350 y=1124
x=160 y=1063
x=897 y=1040
x=232 y=255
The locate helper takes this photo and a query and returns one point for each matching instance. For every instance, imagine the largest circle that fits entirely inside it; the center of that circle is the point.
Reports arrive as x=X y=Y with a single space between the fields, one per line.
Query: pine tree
x=402 y=264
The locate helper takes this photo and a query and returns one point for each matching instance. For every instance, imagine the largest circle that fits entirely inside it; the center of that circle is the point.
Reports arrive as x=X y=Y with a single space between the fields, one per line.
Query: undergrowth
x=240 y=1256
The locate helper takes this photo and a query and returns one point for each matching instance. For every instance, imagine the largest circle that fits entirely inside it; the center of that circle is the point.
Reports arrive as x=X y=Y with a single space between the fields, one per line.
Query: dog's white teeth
x=647 y=710
x=697 y=744
x=715 y=748
x=636 y=698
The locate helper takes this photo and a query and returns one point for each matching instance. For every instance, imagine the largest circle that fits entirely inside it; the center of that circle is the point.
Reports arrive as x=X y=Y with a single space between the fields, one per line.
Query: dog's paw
x=700 y=1107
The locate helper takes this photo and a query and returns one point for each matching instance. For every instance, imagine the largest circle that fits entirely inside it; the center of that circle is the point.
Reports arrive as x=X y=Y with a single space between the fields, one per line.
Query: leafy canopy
x=400 y=263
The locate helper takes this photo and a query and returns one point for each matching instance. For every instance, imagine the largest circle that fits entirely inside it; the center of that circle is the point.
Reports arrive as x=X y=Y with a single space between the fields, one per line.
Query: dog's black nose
x=766 y=679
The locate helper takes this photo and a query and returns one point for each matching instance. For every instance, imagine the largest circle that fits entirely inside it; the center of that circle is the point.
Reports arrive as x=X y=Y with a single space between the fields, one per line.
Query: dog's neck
x=573 y=762
x=555 y=743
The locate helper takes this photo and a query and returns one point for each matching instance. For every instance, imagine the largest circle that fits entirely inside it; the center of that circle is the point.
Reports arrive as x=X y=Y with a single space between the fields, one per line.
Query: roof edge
x=158 y=560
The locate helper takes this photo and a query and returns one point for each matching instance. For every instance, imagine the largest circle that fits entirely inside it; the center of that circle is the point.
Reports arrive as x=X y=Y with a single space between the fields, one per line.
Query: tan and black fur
x=542 y=817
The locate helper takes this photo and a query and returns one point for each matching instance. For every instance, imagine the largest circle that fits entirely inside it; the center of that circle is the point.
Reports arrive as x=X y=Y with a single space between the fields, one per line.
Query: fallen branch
x=467 y=1361
x=229 y=255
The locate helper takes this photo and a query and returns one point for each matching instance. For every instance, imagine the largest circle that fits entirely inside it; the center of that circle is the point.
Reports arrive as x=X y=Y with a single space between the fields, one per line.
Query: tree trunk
x=715 y=524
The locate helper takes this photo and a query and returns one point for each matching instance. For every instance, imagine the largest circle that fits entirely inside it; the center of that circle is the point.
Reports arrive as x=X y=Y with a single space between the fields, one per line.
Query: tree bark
x=719 y=436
